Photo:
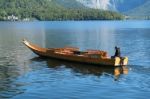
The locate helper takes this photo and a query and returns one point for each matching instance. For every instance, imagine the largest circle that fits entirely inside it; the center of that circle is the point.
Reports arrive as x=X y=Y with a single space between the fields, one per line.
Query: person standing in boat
x=117 y=52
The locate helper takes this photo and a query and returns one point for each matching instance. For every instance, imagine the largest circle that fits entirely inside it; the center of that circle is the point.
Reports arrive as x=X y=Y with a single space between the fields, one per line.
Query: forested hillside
x=69 y=3
x=51 y=10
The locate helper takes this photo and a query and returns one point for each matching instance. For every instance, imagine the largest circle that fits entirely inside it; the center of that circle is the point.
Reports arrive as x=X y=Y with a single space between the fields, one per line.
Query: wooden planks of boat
x=96 y=57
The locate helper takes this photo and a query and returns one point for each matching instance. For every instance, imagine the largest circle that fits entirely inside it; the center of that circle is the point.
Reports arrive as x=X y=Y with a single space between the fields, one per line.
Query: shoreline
x=74 y=20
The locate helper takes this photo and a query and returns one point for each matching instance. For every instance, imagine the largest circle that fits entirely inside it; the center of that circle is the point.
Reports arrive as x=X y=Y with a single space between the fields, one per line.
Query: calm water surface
x=23 y=75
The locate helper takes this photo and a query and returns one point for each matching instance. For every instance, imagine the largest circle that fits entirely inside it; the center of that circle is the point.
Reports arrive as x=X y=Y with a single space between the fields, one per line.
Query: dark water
x=23 y=75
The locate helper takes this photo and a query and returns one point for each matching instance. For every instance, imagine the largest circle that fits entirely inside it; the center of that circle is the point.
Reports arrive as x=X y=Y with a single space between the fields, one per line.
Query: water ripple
x=24 y=76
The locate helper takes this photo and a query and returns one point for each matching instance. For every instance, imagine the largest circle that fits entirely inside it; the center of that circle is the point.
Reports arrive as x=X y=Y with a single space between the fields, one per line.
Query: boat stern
x=121 y=61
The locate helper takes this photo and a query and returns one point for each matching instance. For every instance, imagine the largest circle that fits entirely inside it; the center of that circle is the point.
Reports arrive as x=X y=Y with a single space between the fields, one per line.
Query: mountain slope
x=118 y=5
x=98 y=4
x=141 y=11
x=129 y=7
x=126 y=5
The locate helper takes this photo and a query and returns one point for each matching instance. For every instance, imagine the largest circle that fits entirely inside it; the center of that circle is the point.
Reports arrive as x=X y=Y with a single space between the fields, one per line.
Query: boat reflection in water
x=85 y=69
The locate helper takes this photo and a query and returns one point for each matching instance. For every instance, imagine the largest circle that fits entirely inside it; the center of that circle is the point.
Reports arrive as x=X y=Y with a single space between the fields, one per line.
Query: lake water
x=23 y=75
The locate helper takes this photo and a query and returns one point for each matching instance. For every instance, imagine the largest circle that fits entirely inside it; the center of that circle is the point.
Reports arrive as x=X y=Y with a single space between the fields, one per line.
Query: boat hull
x=45 y=52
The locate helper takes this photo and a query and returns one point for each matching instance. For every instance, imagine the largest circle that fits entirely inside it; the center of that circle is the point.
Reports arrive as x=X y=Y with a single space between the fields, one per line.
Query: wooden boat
x=96 y=57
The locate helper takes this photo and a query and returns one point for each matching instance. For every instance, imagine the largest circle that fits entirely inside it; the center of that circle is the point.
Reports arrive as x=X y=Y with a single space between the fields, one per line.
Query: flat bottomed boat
x=95 y=57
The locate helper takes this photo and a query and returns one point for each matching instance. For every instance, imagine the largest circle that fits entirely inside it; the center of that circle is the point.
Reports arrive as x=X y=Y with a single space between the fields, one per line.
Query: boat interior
x=75 y=51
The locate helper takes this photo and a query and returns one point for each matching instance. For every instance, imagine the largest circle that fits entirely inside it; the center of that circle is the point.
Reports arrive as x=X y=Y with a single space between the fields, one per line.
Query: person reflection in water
x=118 y=71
